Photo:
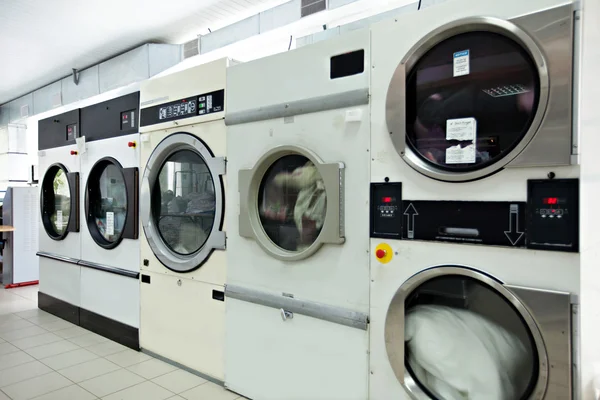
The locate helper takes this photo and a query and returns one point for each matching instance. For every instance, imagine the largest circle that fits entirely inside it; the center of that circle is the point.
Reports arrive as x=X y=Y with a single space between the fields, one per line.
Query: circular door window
x=472 y=100
x=465 y=338
x=184 y=202
x=56 y=202
x=293 y=203
x=106 y=203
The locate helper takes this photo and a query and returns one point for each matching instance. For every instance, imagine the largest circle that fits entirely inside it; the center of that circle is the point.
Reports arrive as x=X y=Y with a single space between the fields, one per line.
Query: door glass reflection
x=59 y=216
x=110 y=209
x=464 y=340
x=470 y=100
x=183 y=202
x=292 y=203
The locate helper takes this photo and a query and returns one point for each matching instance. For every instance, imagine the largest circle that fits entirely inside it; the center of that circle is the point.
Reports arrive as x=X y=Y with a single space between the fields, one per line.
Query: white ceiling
x=41 y=40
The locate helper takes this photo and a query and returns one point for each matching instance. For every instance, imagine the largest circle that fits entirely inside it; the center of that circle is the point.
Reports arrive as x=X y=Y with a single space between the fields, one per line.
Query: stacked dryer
x=182 y=210
x=474 y=203
x=298 y=171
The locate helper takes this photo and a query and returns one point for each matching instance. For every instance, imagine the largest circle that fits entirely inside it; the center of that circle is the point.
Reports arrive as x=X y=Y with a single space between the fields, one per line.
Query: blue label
x=461 y=53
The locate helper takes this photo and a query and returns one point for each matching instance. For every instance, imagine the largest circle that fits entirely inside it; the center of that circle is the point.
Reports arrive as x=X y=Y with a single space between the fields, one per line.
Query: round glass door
x=292 y=203
x=56 y=202
x=106 y=203
x=465 y=338
x=470 y=100
x=184 y=202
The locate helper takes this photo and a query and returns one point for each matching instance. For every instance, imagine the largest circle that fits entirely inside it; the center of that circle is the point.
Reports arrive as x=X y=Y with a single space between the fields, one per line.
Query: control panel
x=386 y=216
x=202 y=104
x=553 y=214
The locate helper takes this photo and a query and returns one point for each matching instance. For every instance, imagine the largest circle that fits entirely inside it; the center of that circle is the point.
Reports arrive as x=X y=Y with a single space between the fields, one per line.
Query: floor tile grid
x=65 y=344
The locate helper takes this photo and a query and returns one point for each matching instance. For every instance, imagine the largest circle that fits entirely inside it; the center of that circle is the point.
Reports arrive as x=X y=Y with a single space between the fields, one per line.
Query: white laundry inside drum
x=293 y=203
x=463 y=341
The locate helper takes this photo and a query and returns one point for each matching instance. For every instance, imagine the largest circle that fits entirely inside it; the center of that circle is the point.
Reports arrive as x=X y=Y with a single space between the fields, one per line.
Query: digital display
x=387 y=199
x=180 y=109
x=552 y=201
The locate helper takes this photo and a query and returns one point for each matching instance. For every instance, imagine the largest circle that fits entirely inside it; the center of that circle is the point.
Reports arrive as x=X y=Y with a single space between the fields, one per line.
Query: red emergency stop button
x=384 y=253
x=73 y=153
x=131 y=144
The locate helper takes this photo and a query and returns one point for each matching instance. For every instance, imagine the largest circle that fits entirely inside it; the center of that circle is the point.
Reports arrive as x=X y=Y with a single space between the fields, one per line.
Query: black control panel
x=59 y=130
x=549 y=220
x=202 y=104
x=112 y=118
x=386 y=215
x=553 y=217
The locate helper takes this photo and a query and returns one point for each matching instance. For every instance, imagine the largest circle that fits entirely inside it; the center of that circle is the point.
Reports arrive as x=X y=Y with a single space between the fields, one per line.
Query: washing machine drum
x=464 y=341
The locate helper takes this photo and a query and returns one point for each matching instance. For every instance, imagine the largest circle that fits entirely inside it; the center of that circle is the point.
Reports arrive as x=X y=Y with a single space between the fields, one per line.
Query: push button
x=380 y=253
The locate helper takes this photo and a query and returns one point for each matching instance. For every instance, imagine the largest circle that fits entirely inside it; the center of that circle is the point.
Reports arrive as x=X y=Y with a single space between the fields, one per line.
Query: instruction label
x=59 y=220
x=461 y=63
x=110 y=223
x=461 y=129
x=458 y=155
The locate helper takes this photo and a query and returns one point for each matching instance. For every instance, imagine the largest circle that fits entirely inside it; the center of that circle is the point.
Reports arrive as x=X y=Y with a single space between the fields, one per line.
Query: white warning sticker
x=461 y=63
x=110 y=223
x=461 y=129
x=458 y=155
x=59 y=220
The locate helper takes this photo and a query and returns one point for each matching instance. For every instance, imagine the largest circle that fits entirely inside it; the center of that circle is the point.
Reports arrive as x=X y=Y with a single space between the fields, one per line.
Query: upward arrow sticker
x=410 y=213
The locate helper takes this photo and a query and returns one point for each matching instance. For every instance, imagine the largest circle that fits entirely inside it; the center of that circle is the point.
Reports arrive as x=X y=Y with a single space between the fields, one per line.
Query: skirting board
x=114 y=330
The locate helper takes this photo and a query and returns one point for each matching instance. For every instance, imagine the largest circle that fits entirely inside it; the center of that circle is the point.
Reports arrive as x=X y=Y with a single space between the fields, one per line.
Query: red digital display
x=550 y=200
x=387 y=200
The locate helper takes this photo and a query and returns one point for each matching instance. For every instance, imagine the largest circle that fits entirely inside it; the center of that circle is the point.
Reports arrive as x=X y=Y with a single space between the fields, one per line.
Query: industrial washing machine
x=59 y=236
x=182 y=211
x=474 y=202
x=298 y=171
x=110 y=250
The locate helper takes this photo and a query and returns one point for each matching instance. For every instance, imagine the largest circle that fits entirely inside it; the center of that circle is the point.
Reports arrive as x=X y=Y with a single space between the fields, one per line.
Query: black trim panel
x=110 y=270
x=60 y=308
x=131 y=228
x=112 y=118
x=73 y=180
x=59 y=130
x=111 y=329
x=58 y=257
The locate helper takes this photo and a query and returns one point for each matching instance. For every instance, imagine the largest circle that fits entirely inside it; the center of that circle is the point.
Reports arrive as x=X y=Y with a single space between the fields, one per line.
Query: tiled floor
x=43 y=357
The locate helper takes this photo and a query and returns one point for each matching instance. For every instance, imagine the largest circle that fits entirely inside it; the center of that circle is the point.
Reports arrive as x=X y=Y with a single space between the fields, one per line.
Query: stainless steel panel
x=87 y=87
x=42 y=98
x=548 y=37
x=547 y=315
x=289 y=305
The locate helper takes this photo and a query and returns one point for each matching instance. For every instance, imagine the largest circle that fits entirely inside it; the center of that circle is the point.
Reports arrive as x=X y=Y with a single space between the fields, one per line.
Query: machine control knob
x=131 y=144
x=380 y=253
x=73 y=153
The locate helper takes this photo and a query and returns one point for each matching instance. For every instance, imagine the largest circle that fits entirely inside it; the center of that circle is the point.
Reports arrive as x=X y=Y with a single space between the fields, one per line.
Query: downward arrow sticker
x=513 y=234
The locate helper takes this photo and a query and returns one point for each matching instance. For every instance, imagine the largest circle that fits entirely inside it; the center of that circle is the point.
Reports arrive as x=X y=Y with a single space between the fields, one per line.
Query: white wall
x=589 y=118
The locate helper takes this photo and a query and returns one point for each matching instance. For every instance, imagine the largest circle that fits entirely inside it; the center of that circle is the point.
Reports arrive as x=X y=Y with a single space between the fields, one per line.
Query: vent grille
x=310 y=7
x=25 y=111
x=191 y=48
